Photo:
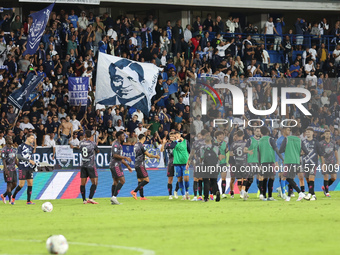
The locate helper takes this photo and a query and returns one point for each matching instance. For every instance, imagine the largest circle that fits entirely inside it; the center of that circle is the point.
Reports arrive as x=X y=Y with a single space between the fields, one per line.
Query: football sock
x=249 y=183
x=118 y=187
x=186 y=184
x=29 y=193
x=82 y=191
x=282 y=185
x=302 y=188
x=245 y=184
x=231 y=193
x=141 y=185
x=290 y=189
x=195 y=188
x=5 y=194
x=261 y=187
x=200 y=187
x=258 y=184
x=141 y=192
x=224 y=184
x=213 y=183
x=181 y=187
x=293 y=185
x=16 y=191
x=311 y=187
x=177 y=187
x=330 y=182
x=270 y=187
x=92 y=190
x=113 y=188
x=206 y=188
x=170 y=189
x=325 y=184
x=9 y=194
x=264 y=187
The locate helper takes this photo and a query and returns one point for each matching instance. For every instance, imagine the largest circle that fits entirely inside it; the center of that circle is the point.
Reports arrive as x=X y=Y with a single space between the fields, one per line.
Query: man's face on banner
x=122 y=83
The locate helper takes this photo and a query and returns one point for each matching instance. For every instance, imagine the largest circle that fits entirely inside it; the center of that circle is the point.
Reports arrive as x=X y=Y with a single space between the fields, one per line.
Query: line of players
x=259 y=152
x=263 y=156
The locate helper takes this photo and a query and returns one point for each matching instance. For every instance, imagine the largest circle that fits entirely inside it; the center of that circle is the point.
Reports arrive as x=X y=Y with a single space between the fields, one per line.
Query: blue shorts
x=181 y=171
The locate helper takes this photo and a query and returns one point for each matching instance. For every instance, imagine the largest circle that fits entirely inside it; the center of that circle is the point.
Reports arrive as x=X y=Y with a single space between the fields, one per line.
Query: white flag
x=126 y=82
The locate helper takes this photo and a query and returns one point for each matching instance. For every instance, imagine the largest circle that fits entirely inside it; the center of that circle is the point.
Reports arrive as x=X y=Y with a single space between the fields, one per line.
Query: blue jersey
x=25 y=151
x=315 y=150
x=278 y=144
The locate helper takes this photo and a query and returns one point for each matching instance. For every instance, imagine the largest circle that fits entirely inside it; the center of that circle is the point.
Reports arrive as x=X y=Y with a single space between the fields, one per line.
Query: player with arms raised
x=26 y=168
x=10 y=175
x=142 y=174
x=88 y=169
x=117 y=159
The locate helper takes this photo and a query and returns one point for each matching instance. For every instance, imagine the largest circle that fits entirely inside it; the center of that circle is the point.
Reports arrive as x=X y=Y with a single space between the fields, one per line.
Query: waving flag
x=126 y=82
x=37 y=29
x=19 y=96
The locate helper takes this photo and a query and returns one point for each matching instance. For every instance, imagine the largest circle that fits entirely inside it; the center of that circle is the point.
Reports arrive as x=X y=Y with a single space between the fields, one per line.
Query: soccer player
x=196 y=159
x=10 y=175
x=237 y=150
x=117 y=159
x=168 y=147
x=292 y=147
x=330 y=160
x=88 y=150
x=209 y=158
x=267 y=148
x=311 y=161
x=142 y=174
x=252 y=158
x=26 y=168
x=285 y=131
x=181 y=155
x=223 y=149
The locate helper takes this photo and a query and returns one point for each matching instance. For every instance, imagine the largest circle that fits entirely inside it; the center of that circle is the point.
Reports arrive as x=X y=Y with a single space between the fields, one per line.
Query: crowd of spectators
x=217 y=47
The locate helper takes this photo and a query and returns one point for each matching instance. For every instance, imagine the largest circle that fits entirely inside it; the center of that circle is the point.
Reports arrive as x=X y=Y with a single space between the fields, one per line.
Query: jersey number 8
x=84 y=152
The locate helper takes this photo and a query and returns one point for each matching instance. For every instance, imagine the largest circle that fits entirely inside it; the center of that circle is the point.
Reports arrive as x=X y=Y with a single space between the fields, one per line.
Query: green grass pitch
x=162 y=226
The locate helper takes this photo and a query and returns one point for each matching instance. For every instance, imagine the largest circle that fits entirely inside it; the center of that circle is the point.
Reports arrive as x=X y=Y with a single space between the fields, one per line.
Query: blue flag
x=19 y=96
x=173 y=88
x=78 y=88
x=37 y=29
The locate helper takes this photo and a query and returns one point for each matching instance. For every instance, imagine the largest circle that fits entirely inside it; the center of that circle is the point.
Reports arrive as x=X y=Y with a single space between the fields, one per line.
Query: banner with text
x=78 y=88
x=45 y=155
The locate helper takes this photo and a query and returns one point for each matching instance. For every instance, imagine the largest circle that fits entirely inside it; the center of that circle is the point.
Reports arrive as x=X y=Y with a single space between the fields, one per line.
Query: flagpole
x=16 y=119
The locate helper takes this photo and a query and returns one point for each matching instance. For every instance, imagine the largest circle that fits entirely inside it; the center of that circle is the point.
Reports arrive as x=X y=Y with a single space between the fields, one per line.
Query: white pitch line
x=140 y=250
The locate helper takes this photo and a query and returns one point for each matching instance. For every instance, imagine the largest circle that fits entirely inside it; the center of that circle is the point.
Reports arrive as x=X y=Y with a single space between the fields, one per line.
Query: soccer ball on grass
x=57 y=244
x=47 y=207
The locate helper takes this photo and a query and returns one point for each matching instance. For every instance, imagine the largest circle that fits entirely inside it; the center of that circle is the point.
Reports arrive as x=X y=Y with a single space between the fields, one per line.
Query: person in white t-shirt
x=269 y=32
x=76 y=126
x=222 y=47
x=26 y=124
x=265 y=58
x=74 y=141
x=140 y=129
x=313 y=52
x=336 y=55
x=309 y=67
x=111 y=33
x=50 y=142
x=2 y=139
x=140 y=116
x=312 y=77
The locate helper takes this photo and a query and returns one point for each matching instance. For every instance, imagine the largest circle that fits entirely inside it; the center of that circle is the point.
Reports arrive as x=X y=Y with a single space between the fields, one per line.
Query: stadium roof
x=250 y=4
